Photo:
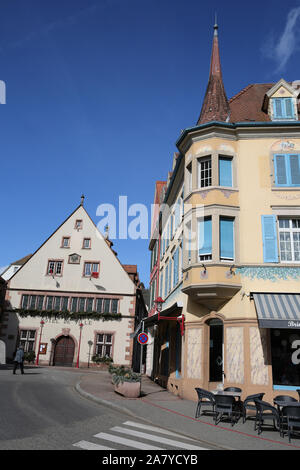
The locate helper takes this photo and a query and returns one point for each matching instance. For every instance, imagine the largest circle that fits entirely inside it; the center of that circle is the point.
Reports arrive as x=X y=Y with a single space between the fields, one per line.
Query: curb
x=122 y=409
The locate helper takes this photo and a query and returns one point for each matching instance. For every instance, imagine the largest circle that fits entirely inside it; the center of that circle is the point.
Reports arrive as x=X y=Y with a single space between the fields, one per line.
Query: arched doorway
x=216 y=367
x=64 y=351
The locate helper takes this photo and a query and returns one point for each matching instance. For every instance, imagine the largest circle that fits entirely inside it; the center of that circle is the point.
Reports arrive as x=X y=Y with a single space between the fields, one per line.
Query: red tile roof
x=247 y=104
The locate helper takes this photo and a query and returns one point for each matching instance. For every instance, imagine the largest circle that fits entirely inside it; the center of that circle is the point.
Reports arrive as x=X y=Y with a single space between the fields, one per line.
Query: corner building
x=239 y=239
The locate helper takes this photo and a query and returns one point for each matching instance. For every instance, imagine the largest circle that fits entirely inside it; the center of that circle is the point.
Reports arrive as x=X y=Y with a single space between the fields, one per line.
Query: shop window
x=285 y=361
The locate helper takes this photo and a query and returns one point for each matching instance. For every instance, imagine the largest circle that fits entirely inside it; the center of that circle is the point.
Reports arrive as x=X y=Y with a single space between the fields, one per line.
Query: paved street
x=51 y=408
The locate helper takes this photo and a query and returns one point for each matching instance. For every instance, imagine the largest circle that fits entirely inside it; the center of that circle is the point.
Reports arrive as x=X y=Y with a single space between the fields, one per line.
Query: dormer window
x=284 y=108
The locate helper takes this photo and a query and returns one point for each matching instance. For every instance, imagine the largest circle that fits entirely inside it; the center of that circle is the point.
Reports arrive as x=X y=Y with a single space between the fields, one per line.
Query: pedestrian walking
x=19 y=360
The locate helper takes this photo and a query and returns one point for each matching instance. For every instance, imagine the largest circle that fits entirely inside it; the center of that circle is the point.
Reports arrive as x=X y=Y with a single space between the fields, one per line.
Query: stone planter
x=129 y=389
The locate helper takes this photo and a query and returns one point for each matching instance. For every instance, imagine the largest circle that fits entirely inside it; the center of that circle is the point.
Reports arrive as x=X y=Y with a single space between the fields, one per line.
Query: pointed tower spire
x=215 y=104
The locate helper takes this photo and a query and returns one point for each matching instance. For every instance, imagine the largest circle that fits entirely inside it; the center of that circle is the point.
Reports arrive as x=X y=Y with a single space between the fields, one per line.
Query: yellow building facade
x=238 y=288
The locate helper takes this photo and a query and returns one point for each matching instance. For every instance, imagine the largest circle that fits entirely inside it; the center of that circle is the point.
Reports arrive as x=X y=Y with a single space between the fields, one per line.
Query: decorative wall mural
x=269 y=273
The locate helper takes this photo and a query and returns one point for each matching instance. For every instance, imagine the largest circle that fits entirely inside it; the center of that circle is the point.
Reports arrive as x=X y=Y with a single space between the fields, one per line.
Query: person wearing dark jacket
x=19 y=360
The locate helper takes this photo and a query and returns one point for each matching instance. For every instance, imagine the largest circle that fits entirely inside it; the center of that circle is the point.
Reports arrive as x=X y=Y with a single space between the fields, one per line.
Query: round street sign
x=143 y=338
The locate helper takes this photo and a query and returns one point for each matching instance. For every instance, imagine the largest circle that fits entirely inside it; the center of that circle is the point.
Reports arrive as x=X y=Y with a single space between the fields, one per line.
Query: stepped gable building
x=72 y=299
x=235 y=283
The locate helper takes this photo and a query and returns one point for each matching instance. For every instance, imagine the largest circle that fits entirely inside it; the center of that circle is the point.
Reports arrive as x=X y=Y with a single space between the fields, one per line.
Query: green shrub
x=29 y=356
x=102 y=359
x=122 y=374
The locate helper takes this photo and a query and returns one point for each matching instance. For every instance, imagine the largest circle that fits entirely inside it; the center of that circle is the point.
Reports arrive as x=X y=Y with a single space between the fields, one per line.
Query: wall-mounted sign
x=43 y=348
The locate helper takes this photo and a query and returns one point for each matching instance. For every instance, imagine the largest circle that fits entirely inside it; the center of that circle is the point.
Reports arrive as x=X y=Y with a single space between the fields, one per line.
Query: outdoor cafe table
x=280 y=404
x=230 y=394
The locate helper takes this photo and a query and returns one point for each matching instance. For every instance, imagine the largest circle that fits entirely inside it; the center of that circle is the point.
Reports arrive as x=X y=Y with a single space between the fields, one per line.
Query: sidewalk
x=159 y=407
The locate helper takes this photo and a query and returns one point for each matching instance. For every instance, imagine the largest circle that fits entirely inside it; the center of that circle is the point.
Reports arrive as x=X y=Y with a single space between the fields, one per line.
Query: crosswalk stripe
x=91 y=446
x=155 y=429
x=126 y=442
x=159 y=439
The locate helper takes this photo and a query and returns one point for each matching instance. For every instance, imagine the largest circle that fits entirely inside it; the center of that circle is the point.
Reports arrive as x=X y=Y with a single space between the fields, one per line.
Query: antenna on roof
x=216 y=25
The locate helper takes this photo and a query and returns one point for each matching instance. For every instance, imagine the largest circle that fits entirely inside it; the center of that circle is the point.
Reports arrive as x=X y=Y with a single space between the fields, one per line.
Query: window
x=226 y=238
x=99 y=303
x=86 y=243
x=225 y=171
x=81 y=306
x=189 y=178
x=283 y=108
x=89 y=304
x=104 y=345
x=65 y=242
x=74 y=304
x=49 y=303
x=287 y=169
x=91 y=269
x=106 y=306
x=55 y=267
x=204 y=172
x=285 y=371
x=78 y=224
x=166 y=279
x=289 y=239
x=176 y=267
x=114 y=305
x=205 y=239
x=27 y=340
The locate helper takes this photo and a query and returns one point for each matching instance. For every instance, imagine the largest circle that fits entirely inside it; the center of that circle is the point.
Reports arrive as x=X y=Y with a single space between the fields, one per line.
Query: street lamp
x=42 y=323
x=80 y=326
x=158 y=302
x=90 y=343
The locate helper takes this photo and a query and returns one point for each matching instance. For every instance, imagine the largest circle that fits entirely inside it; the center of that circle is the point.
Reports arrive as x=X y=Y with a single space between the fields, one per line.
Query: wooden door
x=64 y=351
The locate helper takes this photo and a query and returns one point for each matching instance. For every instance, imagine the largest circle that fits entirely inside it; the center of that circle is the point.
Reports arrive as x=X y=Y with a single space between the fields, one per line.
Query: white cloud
x=280 y=49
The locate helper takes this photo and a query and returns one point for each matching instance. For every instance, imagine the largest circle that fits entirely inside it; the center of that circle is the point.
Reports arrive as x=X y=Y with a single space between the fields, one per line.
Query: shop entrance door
x=215 y=351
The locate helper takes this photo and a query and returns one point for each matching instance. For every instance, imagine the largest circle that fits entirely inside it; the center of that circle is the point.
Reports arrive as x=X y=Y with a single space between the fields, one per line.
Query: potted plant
x=125 y=381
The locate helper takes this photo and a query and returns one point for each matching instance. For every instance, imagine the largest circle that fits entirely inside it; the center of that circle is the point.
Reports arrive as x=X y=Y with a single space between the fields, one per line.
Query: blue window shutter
x=161 y=280
x=226 y=238
x=225 y=172
x=289 y=113
x=166 y=280
x=269 y=233
x=280 y=170
x=205 y=236
x=294 y=169
x=277 y=107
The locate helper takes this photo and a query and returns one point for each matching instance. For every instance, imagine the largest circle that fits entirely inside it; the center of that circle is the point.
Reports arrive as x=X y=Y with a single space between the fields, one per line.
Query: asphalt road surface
x=41 y=410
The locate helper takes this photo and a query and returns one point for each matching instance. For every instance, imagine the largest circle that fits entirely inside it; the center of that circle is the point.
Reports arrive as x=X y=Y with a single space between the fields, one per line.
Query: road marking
x=155 y=429
x=90 y=446
x=126 y=442
x=159 y=439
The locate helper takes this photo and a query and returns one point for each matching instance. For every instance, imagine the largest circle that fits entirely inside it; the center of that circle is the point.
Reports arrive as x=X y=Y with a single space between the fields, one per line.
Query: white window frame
x=291 y=231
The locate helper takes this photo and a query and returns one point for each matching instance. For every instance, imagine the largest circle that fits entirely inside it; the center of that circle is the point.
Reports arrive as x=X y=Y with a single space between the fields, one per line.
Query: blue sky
x=98 y=92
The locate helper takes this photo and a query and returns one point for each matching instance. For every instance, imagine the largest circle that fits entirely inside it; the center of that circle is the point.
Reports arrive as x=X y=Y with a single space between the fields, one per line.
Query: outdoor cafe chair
x=248 y=404
x=205 y=398
x=226 y=405
x=291 y=418
x=265 y=411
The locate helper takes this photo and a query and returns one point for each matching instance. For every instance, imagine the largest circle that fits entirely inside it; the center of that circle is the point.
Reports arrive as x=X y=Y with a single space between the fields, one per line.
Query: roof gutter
x=235 y=125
